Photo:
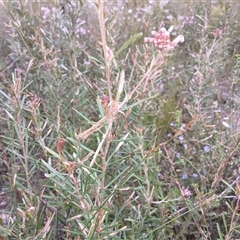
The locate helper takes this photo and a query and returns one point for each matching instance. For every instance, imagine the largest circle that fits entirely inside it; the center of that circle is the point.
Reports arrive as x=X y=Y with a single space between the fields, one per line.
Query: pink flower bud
x=178 y=39
x=163 y=30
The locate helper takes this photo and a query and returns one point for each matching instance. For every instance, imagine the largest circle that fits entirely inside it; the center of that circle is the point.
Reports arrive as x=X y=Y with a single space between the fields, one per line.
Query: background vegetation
x=105 y=137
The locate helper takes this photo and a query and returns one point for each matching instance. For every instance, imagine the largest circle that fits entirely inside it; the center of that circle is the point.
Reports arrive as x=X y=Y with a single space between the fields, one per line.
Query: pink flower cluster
x=185 y=192
x=162 y=39
x=218 y=32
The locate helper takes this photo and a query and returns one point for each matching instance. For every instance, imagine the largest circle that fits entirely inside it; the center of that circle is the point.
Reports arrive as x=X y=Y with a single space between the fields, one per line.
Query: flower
x=185 y=192
x=217 y=33
x=162 y=40
x=46 y=12
x=178 y=39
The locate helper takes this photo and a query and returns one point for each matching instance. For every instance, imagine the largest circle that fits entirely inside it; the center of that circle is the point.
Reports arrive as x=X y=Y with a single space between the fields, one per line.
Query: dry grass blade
x=44 y=231
x=96 y=126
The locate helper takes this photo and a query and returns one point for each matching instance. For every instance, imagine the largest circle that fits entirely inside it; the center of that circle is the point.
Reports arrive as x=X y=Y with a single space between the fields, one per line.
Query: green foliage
x=106 y=137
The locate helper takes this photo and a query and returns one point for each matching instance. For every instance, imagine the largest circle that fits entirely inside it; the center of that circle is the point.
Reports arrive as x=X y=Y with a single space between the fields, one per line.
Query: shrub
x=113 y=129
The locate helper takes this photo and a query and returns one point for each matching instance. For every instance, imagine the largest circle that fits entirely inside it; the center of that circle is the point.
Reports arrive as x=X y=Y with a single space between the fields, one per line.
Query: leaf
x=128 y=42
x=9 y=115
x=170 y=29
x=52 y=152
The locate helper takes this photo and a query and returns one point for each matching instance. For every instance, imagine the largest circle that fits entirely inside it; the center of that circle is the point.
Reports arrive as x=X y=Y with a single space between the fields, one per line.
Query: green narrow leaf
x=100 y=107
x=219 y=232
x=79 y=144
x=80 y=114
x=127 y=43
x=53 y=153
x=224 y=223
x=5 y=95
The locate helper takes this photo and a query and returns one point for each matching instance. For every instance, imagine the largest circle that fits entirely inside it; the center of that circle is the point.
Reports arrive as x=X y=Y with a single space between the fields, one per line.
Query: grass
x=105 y=135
